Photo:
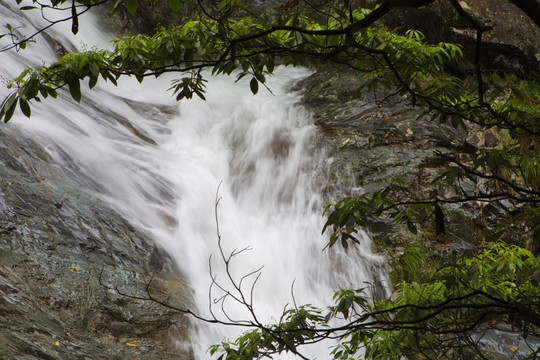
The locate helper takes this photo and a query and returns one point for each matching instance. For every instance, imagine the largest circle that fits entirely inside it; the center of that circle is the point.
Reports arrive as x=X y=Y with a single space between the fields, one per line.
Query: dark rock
x=511 y=44
x=149 y=17
x=490 y=140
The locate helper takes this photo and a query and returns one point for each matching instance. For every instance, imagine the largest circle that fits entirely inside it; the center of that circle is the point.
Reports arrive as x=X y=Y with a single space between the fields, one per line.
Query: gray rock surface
x=65 y=259
x=372 y=140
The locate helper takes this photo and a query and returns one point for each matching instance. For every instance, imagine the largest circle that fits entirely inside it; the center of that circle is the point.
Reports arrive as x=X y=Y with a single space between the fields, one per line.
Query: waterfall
x=163 y=165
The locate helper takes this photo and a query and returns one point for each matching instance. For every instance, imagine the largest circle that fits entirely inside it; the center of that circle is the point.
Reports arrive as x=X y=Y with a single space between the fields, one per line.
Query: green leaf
x=8 y=106
x=32 y=87
x=260 y=77
x=74 y=87
x=411 y=227
x=132 y=6
x=92 y=82
x=116 y=6
x=94 y=69
x=289 y=342
x=10 y=111
x=7 y=102
x=25 y=107
x=44 y=92
x=200 y=95
x=270 y=65
x=254 y=85
x=174 y=5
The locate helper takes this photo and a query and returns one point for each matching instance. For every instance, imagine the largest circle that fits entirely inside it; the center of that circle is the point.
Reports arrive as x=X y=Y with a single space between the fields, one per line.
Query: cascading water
x=161 y=163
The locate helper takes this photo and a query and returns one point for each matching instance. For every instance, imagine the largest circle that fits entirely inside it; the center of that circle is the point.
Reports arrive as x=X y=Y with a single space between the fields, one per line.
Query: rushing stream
x=163 y=164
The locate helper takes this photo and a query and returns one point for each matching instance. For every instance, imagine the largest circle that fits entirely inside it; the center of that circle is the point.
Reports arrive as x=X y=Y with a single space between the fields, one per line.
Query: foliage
x=501 y=284
x=447 y=314
x=442 y=318
x=228 y=45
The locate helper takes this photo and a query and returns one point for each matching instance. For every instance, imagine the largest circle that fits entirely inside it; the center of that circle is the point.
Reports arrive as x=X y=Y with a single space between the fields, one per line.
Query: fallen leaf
x=512 y=348
x=57 y=343
x=44 y=302
x=74 y=269
x=131 y=344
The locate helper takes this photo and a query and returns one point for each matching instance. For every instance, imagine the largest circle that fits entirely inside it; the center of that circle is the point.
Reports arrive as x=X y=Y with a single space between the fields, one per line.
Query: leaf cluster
x=456 y=307
x=246 y=45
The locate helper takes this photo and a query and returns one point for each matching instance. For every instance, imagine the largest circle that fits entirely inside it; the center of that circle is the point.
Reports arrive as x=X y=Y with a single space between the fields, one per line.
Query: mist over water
x=163 y=165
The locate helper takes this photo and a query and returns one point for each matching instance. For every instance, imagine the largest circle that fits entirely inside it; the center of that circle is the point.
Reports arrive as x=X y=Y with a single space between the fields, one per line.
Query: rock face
x=148 y=18
x=512 y=44
x=372 y=140
x=66 y=258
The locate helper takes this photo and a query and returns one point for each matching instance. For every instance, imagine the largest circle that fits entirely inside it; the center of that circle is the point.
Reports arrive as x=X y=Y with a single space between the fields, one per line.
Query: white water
x=259 y=148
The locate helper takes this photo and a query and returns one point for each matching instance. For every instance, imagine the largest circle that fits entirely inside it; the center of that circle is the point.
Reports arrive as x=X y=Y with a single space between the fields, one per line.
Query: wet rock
x=373 y=138
x=72 y=269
